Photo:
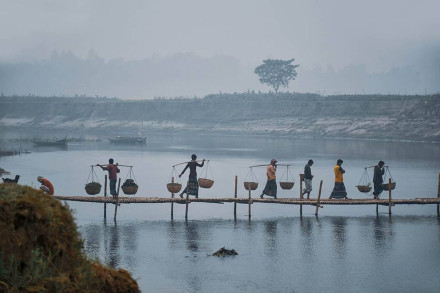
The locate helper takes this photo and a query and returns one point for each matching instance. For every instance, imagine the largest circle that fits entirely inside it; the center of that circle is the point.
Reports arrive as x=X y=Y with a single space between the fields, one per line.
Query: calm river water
x=347 y=249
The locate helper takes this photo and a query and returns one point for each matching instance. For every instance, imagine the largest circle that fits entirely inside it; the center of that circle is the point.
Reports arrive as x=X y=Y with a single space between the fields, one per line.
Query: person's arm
x=201 y=165
x=383 y=171
x=117 y=169
x=342 y=170
x=184 y=169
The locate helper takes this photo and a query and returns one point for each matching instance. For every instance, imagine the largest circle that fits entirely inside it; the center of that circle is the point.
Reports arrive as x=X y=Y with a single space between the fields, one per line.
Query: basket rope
x=250 y=177
x=365 y=178
x=286 y=172
x=129 y=174
x=387 y=170
x=174 y=174
x=205 y=169
x=93 y=175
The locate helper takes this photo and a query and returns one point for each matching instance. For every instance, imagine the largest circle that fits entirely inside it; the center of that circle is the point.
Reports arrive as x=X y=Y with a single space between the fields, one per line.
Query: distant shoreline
x=292 y=115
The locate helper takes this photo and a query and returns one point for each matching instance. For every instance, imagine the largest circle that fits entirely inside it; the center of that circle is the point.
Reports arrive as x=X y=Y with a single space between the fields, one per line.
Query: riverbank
x=383 y=117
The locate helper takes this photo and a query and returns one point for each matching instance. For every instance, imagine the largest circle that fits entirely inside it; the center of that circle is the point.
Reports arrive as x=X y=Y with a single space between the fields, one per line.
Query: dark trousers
x=113 y=187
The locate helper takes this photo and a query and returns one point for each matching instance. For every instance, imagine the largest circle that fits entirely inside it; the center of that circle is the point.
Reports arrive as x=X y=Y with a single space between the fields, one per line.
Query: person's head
x=40 y=178
x=310 y=162
x=381 y=163
x=273 y=162
x=193 y=157
x=110 y=161
x=339 y=162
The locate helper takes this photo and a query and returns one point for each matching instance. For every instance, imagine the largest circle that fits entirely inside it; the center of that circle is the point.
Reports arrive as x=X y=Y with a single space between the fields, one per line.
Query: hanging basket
x=174 y=187
x=205 y=183
x=250 y=185
x=130 y=189
x=93 y=188
x=301 y=177
x=287 y=185
x=387 y=186
x=364 y=188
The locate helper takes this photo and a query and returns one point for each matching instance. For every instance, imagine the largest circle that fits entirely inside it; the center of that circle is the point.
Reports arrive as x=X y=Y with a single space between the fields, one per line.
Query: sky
x=378 y=33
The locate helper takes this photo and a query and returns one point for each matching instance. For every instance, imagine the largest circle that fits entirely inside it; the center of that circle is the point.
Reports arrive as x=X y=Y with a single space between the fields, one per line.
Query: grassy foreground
x=41 y=249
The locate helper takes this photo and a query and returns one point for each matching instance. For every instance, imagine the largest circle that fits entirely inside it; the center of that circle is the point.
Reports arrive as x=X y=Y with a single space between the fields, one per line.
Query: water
x=346 y=249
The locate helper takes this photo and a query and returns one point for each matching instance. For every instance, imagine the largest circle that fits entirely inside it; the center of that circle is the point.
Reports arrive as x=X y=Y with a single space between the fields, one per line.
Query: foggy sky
x=378 y=33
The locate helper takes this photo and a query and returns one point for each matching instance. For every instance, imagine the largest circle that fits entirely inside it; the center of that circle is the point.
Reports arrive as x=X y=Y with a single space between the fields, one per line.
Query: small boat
x=128 y=139
x=58 y=142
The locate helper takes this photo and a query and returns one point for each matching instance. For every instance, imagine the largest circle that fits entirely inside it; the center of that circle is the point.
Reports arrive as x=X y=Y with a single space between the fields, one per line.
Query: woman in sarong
x=192 y=188
x=339 y=189
x=271 y=186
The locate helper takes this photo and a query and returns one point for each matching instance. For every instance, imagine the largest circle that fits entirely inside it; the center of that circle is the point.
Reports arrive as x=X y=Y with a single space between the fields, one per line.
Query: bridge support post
x=235 y=196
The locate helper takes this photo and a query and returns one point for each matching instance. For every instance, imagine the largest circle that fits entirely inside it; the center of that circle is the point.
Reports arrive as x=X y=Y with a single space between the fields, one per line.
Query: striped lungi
x=339 y=190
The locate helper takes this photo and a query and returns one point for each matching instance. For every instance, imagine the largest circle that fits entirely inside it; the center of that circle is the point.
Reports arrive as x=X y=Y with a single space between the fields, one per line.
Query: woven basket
x=364 y=188
x=301 y=177
x=386 y=186
x=205 y=183
x=93 y=188
x=130 y=189
x=174 y=187
x=287 y=185
x=251 y=185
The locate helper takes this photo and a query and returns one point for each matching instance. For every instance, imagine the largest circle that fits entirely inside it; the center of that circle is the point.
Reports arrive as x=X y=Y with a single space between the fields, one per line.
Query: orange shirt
x=49 y=185
x=271 y=172
x=339 y=177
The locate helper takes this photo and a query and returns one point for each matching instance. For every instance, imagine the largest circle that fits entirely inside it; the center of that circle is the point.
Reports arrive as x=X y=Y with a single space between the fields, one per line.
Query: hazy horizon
x=342 y=46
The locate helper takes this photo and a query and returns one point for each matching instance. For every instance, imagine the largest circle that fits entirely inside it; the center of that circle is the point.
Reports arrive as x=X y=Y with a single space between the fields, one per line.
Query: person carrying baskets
x=113 y=171
x=379 y=171
x=271 y=186
x=192 y=187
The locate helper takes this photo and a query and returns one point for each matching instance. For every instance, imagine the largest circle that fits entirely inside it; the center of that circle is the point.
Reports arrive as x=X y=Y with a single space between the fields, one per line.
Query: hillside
x=285 y=114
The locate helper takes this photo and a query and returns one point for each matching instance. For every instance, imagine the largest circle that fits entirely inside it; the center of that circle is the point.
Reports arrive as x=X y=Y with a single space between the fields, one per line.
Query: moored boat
x=128 y=139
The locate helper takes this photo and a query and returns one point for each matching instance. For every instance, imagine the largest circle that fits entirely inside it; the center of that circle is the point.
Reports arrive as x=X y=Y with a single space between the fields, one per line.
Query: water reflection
x=111 y=240
x=271 y=237
x=306 y=232
x=383 y=235
x=339 y=225
x=192 y=236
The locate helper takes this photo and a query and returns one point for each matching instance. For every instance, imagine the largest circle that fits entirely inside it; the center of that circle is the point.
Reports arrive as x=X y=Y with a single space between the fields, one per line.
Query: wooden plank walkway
x=243 y=200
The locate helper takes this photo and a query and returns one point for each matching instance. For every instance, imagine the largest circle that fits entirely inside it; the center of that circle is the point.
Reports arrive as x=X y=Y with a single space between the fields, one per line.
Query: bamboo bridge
x=317 y=202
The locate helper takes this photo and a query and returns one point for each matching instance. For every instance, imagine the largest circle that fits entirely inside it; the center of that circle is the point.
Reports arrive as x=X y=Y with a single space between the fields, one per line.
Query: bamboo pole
x=235 y=196
x=117 y=198
x=189 y=162
x=249 y=202
x=438 y=194
x=105 y=195
x=187 y=200
x=172 y=204
x=319 y=199
x=389 y=196
x=300 y=195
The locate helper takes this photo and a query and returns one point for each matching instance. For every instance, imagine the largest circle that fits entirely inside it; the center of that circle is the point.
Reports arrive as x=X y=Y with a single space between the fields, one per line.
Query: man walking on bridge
x=113 y=171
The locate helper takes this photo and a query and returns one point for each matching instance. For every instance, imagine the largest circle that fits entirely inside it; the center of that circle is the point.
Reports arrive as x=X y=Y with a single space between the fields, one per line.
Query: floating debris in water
x=224 y=252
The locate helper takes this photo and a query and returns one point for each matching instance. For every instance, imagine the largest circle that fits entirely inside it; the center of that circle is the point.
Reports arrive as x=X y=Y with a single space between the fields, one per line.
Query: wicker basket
x=130 y=189
x=251 y=185
x=287 y=185
x=301 y=177
x=386 y=186
x=205 y=183
x=364 y=188
x=93 y=188
x=174 y=187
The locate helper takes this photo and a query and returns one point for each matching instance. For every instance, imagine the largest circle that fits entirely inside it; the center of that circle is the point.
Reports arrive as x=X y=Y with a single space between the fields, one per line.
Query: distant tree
x=276 y=73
